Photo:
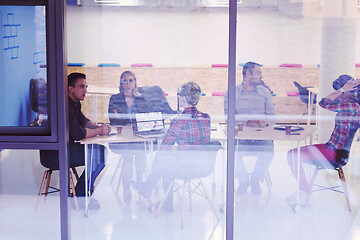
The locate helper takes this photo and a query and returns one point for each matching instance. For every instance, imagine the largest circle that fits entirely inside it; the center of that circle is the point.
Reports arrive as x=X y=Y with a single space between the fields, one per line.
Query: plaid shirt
x=347 y=118
x=190 y=128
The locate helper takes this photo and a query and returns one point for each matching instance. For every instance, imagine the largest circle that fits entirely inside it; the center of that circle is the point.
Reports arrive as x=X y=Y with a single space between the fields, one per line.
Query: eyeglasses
x=128 y=81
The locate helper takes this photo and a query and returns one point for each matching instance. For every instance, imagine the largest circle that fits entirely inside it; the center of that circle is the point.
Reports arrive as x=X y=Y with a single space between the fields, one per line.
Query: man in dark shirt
x=81 y=127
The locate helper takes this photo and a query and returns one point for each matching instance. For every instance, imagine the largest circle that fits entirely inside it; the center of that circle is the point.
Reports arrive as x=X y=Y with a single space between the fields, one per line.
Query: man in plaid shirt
x=189 y=130
x=333 y=153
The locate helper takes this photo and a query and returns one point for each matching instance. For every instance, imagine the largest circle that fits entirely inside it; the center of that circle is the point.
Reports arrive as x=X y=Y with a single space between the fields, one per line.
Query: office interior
x=167 y=43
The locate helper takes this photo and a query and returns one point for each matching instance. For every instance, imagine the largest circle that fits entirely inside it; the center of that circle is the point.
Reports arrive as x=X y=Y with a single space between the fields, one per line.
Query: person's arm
x=117 y=111
x=226 y=106
x=93 y=130
x=338 y=106
x=172 y=134
x=271 y=118
x=349 y=86
x=239 y=118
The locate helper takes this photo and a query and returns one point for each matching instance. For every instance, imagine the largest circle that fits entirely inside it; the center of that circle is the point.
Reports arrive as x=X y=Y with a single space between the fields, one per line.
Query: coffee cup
x=236 y=131
x=240 y=126
x=119 y=129
x=288 y=130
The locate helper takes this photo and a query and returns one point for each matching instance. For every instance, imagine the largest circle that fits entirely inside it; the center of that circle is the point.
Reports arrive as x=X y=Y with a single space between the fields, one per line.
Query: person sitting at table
x=81 y=127
x=343 y=101
x=188 y=130
x=254 y=108
x=122 y=107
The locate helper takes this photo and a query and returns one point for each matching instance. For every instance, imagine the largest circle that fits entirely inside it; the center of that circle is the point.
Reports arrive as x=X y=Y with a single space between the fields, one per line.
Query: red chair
x=292 y=65
x=218 y=94
x=141 y=65
x=216 y=65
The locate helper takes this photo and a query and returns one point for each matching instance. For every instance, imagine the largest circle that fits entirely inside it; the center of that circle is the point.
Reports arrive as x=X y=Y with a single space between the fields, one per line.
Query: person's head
x=128 y=85
x=77 y=86
x=189 y=94
x=252 y=73
x=340 y=82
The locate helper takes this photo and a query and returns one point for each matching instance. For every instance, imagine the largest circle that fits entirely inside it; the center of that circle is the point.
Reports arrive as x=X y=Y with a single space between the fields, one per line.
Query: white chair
x=202 y=166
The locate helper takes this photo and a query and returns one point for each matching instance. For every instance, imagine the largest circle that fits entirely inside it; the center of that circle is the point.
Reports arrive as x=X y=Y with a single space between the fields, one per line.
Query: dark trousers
x=128 y=151
x=262 y=149
x=50 y=159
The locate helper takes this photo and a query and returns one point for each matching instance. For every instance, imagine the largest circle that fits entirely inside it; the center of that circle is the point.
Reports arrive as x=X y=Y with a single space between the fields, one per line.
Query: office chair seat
x=51 y=165
x=337 y=166
x=200 y=164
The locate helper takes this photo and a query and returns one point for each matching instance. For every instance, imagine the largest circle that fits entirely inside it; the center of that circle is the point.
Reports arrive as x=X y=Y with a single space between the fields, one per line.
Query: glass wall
x=298 y=46
x=154 y=67
x=294 y=49
x=138 y=58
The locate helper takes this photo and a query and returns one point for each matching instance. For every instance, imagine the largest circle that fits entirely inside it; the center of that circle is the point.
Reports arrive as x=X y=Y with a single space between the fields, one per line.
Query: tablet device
x=293 y=128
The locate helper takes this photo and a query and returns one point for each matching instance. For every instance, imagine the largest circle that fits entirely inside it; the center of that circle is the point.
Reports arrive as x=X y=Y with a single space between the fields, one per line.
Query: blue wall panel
x=22 y=50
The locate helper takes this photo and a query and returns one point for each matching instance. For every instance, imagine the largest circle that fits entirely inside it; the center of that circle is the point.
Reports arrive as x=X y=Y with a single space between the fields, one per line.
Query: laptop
x=149 y=125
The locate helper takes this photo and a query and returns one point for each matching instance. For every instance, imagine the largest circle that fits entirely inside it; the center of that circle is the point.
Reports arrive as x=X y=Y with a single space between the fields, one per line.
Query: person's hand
x=252 y=123
x=256 y=123
x=262 y=123
x=104 y=129
x=351 y=85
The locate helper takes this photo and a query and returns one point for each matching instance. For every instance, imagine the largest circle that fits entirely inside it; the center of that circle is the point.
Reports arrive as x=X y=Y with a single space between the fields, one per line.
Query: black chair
x=45 y=160
x=338 y=165
x=38 y=100
x=303 y=93
x=202 y=166
x=157 y=98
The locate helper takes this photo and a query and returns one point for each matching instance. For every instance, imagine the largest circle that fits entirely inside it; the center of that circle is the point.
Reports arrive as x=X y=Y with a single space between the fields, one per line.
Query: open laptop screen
x=148 y=122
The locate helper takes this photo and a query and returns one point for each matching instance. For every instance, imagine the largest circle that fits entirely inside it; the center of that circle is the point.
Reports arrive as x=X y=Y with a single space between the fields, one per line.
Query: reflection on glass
x=135 y=64
x=23 y=66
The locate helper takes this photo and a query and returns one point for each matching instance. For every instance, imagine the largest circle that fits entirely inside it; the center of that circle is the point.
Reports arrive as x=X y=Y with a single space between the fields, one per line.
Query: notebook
x=149 y=124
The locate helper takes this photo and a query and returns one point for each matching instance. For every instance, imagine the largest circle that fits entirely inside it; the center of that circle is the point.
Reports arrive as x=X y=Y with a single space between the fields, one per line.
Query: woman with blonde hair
x=122 y=109
x=188 y=130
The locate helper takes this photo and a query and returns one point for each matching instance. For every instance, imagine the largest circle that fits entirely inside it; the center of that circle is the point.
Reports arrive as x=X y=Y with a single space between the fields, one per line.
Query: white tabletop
x=126 y=136
x=269 y=133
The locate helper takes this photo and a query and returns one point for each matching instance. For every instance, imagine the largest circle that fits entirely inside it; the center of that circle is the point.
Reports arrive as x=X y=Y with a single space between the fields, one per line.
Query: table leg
x=91 y=163
x=297 y=206
x=309 y=109
x=86 y=182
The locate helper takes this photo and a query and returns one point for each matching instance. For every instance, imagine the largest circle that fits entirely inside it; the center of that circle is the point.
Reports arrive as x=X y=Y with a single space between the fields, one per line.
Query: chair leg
x=43 y=182
x=48 y=183
x=268 y=180
x=189 y=193
x=164 y=198
x=183 y=205
x=75 y=173
x=41 y=189
x=73 y=190
x=117 y=168
x=311 y=185
x=343 y=182
x=210 y=201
